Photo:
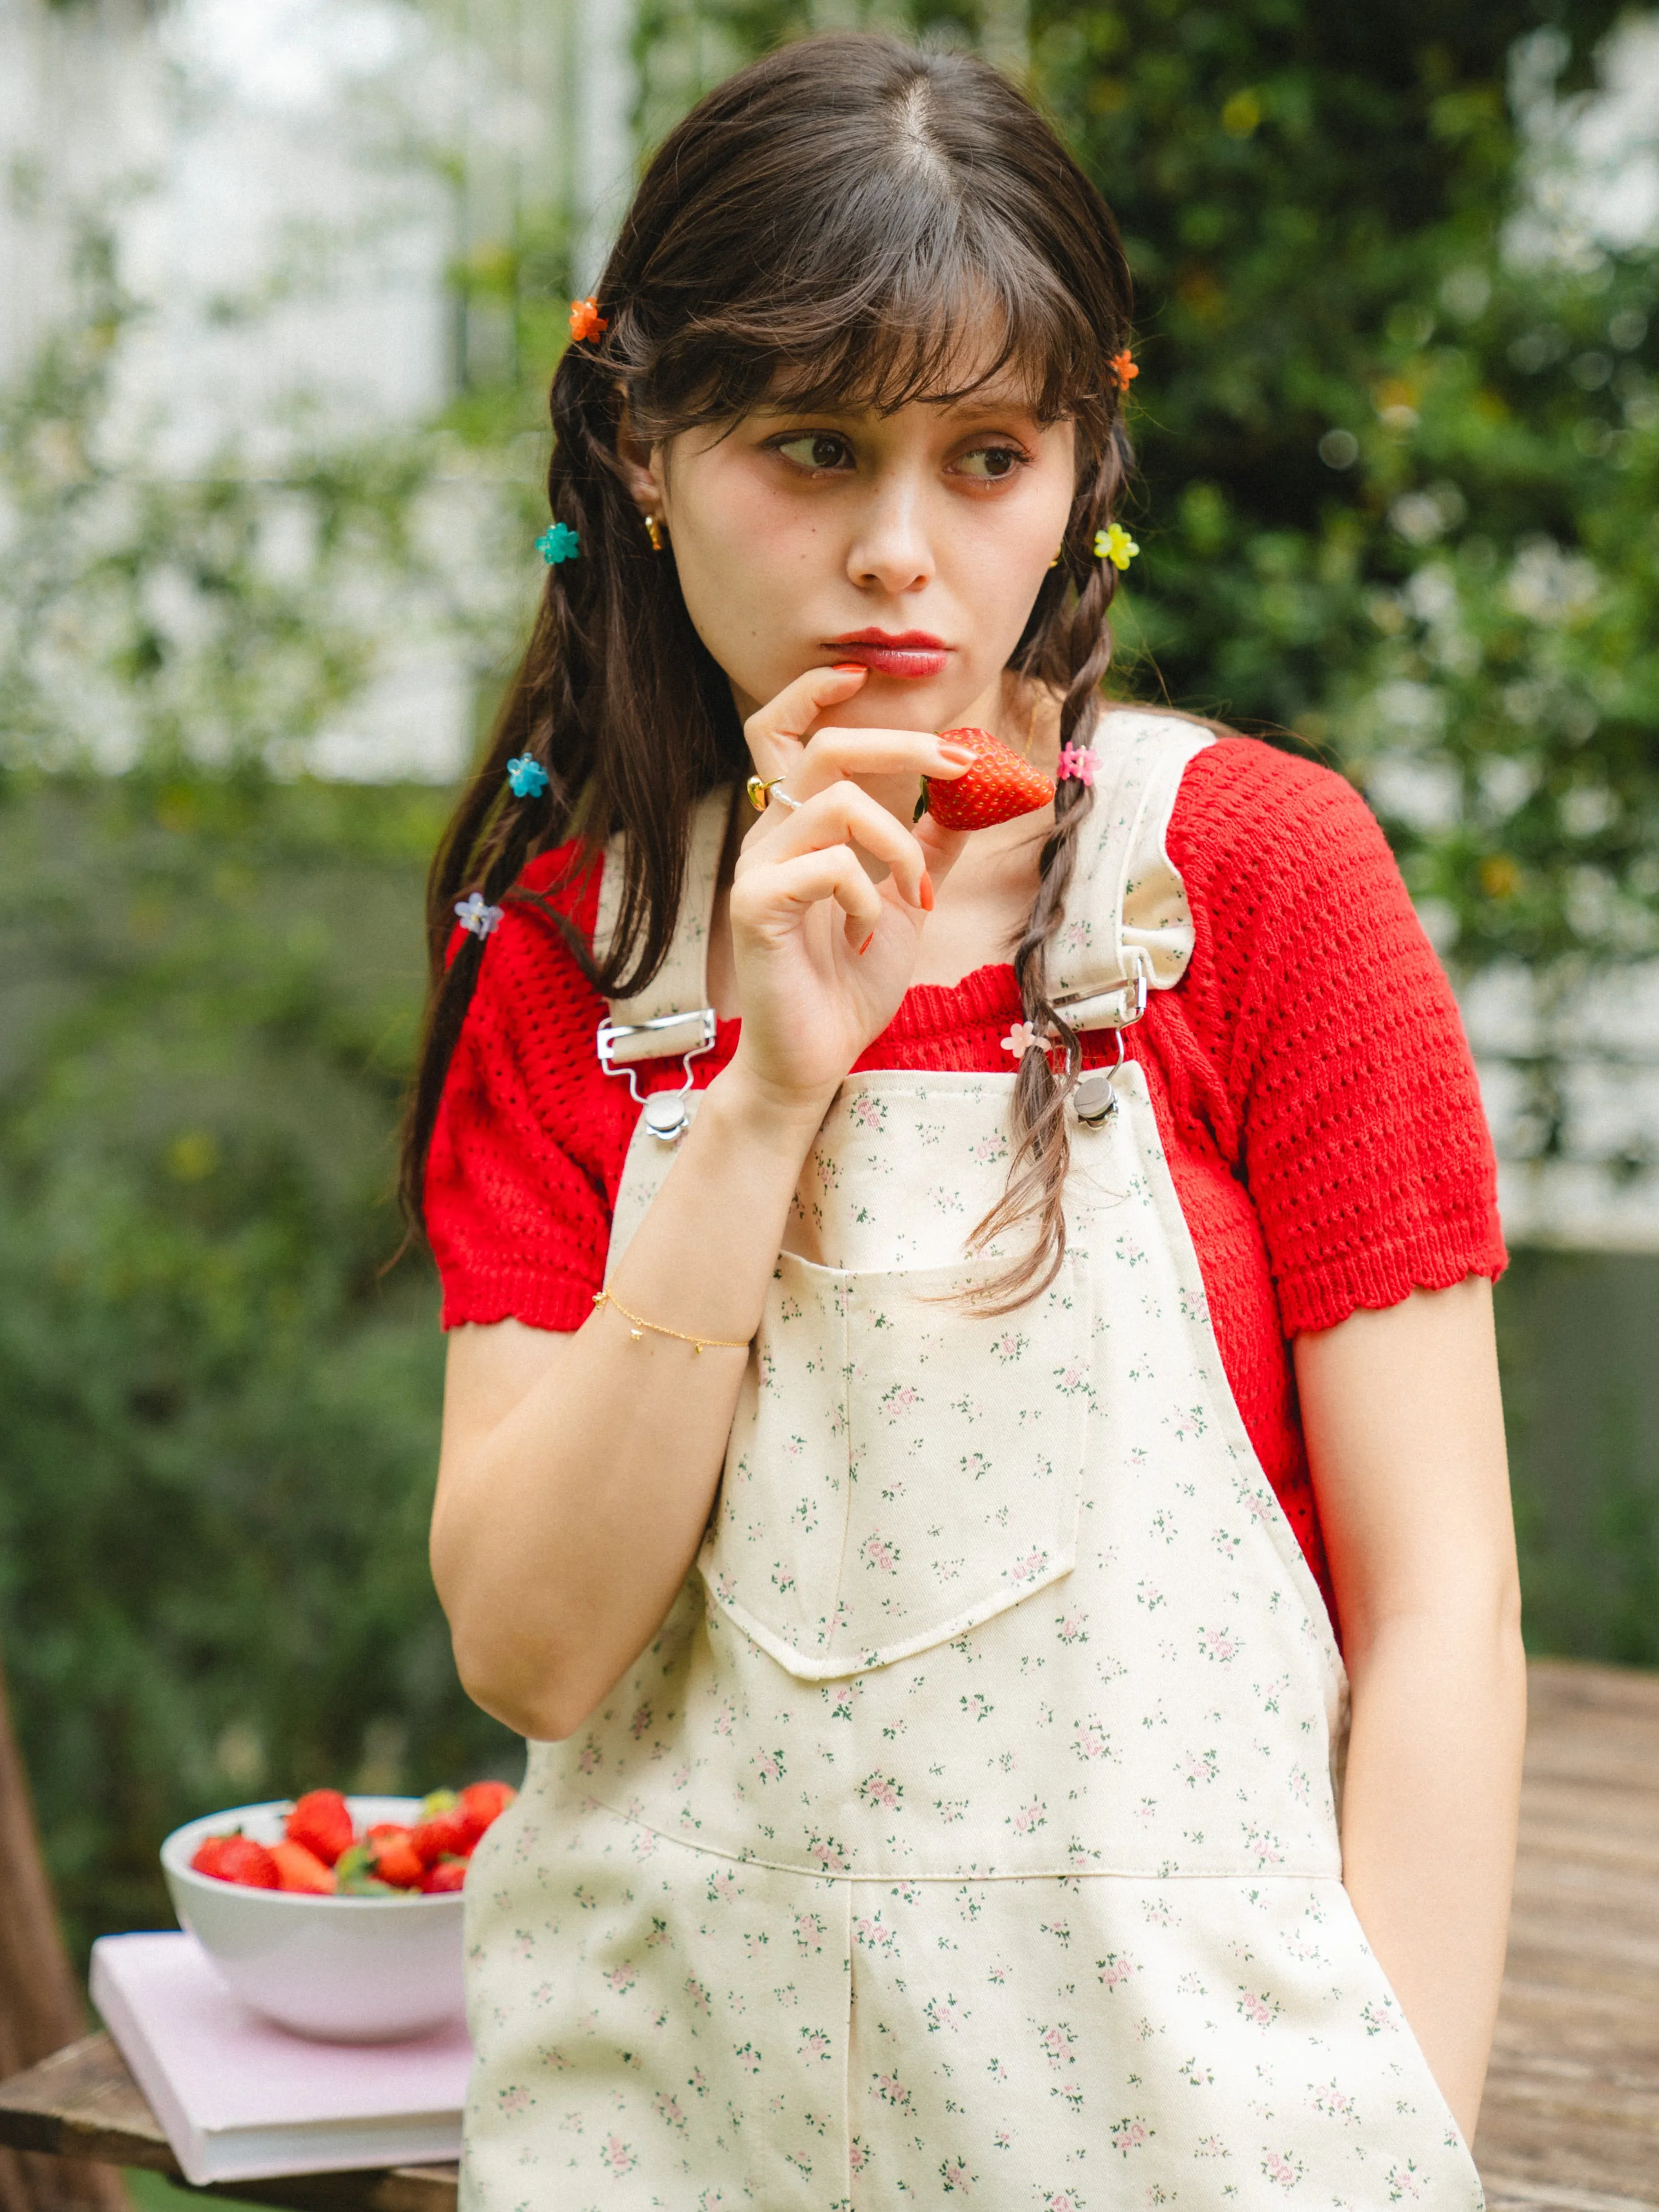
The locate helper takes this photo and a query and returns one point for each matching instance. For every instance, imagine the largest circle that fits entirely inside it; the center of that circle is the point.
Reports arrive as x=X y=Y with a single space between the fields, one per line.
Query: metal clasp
x=665 y=1113
x=1097 y=1010
x=1094 y=1100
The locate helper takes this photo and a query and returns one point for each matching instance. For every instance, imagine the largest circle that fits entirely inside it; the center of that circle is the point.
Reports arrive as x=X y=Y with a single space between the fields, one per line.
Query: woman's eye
x=815 y=449
x=990 y=463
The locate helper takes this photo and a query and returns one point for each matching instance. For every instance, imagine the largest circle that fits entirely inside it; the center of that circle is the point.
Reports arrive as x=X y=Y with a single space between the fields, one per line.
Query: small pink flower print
x=747 y=2057
x=1071 y=1379
x=1028 y=1568
x=892 y=2091
x=1063 y=2200
x=1286 y=2172
x=867 y=1113
x=1091 y=1741
x=878 y=1552
x=881 y=1789
x=901 y=1398
x=1072 y=1628
x=1055 y=2044
x=858 y=2154
x=1009 y=1345
x=945 y=2012
x=830 y=1855
x=592 y=1757
x=1297 y=1783
x=1211 y=2146
x=1377 y=2022
x=953 y=2172
x=1337 y=2103
x=513 y=2101
x=619 y=2156
x=725 y=1719
x=1130 y=2134
x=1404 y=2182
x=770 y=1766
x=1258 y=2010
x=641 y=1721
x=697 y=2082
x=667 y=2108
x=622 y=1978
x=815 y=2044
x=1030 y=1817
x=1200 y=1766
x=809 y=1931
x=997 y=2071
x=697 y=1994
x=1115 y=1968
x=1002 y=2140
x=1216 y=1643
x=722 y=1886
x=988 y=1151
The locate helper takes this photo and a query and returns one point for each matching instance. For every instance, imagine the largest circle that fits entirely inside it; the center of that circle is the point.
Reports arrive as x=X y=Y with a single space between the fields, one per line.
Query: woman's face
x=914 y=542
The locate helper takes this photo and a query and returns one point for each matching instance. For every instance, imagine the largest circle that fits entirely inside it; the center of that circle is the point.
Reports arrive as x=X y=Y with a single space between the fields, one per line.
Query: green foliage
x=1399 y=493
x=221 y=1423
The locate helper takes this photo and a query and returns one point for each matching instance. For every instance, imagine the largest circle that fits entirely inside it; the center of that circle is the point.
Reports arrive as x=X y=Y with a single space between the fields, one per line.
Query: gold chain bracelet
x=641 y=1324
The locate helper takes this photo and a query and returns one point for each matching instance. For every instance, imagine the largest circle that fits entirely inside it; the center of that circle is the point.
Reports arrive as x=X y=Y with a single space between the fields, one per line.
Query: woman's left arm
x=1405 y=1432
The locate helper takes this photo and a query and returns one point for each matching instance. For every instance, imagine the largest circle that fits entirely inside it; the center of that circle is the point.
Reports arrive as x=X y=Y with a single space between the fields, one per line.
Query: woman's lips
x=912 y=653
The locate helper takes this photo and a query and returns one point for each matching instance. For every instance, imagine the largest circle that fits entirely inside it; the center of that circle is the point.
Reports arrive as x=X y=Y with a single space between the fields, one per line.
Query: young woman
x=903 y=1481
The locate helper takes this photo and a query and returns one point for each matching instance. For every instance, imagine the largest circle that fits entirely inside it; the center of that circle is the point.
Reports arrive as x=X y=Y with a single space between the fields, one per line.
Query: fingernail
x=849 y=668
x=925 y=893
x=959 y=753
x=867 y=942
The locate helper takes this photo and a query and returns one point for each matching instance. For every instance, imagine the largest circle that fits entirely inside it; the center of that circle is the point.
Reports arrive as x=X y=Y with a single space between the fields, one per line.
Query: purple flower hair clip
x=1077 y=761
x=473 y=914
x=527 y=777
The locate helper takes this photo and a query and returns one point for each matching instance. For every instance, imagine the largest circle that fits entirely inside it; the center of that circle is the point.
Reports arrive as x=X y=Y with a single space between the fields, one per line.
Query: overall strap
x=671 y=1016
x=1128 y=929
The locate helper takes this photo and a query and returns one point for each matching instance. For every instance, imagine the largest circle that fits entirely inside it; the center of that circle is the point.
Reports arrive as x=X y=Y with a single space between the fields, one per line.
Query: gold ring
x=761 y=791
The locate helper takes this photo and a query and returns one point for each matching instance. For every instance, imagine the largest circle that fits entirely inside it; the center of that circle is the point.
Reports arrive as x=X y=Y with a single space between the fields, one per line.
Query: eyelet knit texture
x=1309 y=1075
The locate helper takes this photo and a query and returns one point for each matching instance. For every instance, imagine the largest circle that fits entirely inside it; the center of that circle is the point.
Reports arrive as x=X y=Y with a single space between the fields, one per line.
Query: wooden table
x=1571 y=2122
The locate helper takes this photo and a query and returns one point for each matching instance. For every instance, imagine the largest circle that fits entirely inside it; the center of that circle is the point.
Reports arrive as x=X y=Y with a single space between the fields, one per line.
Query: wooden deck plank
x=1571 y=2122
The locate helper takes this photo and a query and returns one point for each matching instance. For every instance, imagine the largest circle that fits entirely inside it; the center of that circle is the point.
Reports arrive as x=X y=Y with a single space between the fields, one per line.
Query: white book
x=242 y=2100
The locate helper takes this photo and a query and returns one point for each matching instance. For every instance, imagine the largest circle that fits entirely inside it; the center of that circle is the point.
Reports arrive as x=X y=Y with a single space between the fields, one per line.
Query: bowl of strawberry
x=337 y=1918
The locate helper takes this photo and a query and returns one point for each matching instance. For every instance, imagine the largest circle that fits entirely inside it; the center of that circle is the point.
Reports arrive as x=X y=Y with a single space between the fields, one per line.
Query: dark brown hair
x=826 y=225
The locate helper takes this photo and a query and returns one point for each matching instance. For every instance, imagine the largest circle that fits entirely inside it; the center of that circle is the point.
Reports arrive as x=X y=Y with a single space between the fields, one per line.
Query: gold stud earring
x=1059 y=549
x=653 y=532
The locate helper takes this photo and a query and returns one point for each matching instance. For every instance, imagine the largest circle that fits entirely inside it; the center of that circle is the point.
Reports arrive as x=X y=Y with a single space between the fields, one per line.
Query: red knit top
x=1309 y=1076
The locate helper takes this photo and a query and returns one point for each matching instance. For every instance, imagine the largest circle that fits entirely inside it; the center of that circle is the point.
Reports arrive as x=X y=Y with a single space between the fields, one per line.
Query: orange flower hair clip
x=1123 y=368
x=586 y=320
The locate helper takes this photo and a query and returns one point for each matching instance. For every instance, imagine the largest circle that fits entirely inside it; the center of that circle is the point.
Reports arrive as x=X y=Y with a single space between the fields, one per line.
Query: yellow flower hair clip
x=1114 y=544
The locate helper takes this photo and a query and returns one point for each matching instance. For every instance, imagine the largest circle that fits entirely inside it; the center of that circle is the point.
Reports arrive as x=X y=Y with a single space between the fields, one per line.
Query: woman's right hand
x=822 y=955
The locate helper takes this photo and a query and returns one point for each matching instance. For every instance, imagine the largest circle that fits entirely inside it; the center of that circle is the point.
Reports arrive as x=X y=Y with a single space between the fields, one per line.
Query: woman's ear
x=641 y=467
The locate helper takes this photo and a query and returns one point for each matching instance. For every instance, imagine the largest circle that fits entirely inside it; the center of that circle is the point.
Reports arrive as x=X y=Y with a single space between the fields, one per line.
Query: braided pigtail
x=1074 y=652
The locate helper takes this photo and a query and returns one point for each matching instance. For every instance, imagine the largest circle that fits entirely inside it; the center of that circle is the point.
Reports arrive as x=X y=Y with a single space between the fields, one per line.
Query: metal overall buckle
x=665 y=1113
x=1094 y=1099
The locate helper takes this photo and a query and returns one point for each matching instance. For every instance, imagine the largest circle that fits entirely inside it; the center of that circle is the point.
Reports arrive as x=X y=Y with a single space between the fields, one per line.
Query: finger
x=771 y=895
x=845 y=814
x=834 y=752
x=775 y=732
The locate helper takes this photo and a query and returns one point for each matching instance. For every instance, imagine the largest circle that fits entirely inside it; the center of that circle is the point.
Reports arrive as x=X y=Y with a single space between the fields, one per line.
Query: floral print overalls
x=970 y=1829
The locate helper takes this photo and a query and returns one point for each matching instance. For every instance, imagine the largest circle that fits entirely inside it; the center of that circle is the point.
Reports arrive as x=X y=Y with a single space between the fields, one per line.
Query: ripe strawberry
x=297 y=1869
x=483 y=1803
x=321 y=1820
x=448 y=1834
x=237 y=1858
x=999 y=785
x=448 y=1875
x=395 y=1857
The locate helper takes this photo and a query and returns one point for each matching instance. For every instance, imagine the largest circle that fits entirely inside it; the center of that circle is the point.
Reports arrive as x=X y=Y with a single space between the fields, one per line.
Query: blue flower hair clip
x=527 y=776
x=473 y=914
x=558 y=542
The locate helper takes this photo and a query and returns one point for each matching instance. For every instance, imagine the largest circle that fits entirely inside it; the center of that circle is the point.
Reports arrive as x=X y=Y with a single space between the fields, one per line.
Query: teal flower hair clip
x=558 y=542
x=527 y=777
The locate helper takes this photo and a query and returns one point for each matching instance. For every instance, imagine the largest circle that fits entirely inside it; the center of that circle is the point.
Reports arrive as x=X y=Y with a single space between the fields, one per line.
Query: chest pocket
x=900 y=1469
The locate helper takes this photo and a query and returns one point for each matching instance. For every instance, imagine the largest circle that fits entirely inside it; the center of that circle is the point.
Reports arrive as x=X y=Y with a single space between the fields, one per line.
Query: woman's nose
x=891 y=550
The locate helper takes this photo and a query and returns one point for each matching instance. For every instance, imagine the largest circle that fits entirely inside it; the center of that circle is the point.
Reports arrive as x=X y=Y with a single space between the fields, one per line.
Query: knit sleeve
x=521 y=1174
x=1355 y=1118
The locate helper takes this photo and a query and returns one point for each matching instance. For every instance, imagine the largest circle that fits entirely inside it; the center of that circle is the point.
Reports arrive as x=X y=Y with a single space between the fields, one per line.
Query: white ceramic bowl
x=342 y=1969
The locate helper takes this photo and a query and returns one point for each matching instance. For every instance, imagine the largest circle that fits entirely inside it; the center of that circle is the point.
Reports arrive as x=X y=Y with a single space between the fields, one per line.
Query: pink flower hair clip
x=1078 y=761
x=1023 y=1038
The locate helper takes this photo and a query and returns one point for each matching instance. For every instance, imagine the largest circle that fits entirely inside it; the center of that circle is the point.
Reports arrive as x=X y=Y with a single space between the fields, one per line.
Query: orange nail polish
x=849 y=668
x=926 y=894
x=867 y=942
